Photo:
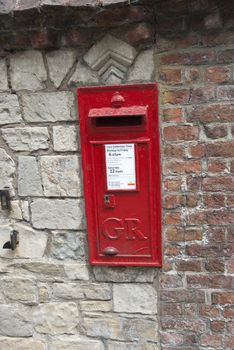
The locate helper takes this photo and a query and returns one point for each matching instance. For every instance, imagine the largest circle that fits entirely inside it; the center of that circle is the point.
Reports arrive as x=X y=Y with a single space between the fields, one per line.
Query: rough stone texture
x=32 y=243
x=58 y=214
x=124 y=274
x=26 y=139
x=19 y=290
x=143 y=68
x=3 y=76
x=131 y=346
x=77 y=343
x=137 y=299
x=9 y=109
x=65 y=138
x=60 y=62
x=48 y=107
x=83 y=75
x=15 y=321
x=27 y=71
x=56 y=318
x=68 y=245
x=29 y=183
x=77 y=271
x=21 y=344
x=60 y=176
x=7 y=169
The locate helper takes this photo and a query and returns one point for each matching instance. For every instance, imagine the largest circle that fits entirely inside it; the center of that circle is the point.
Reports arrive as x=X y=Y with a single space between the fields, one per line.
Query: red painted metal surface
x=120 y=143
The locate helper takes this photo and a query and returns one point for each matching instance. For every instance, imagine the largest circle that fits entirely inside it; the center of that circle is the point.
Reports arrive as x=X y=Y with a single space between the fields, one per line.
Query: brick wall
x=50 y=297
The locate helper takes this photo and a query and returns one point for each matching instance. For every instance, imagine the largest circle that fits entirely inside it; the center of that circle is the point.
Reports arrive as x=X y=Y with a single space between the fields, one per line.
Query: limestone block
x=138 y=298
x=67 y=291
x=76 y=343
x=20 y=344
x=77 y=271
x=3 y=76
x=27 y=71
x=7 y=170
x=32 y=243
x=26 y=139
x=58 y=214
x=25 y=210
x=110 y=58
x=15 y=212
x=9 y=109
x=49 y=107
x=56 y=318
x=43 y=293
x=65 y=138
x=44 y=271
x=83 y=75
x=143 y=67
x=113 y=345
x=19 y=289
x=60 y=176
x=59 y=63
x=108 y=326
x=68 y=245
x=133 y=329
x=15 y=321
x=29 y=180
x=99 y=291
x=124 y=274
x=94 y=306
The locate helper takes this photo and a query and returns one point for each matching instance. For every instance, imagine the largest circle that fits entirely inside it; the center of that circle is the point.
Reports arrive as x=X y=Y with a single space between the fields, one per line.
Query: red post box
x=121 y=166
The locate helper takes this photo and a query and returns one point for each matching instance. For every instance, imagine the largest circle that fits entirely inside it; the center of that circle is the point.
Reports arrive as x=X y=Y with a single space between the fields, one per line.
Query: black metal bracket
x=5 y=199
x=14 y=240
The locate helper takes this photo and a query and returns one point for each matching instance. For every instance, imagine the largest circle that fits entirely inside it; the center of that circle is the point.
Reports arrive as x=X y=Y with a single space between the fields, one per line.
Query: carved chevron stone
x=110 y=58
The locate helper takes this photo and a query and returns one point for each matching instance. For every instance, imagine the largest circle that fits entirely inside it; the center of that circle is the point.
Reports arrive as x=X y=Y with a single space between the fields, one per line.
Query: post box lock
x=119 y=132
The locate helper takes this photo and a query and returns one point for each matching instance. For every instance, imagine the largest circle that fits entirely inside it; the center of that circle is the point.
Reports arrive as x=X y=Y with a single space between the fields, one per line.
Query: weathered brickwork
x=50 y=297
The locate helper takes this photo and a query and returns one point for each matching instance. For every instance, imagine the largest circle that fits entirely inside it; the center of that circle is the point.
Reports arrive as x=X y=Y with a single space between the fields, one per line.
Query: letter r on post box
x=119 y=133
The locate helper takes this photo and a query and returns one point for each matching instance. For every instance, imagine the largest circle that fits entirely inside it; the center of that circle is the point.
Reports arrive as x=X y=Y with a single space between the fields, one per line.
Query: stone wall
x=50 y=297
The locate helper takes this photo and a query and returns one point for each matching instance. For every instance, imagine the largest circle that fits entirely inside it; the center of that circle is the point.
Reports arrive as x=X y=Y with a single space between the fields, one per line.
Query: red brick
x=192 y=200
x=176 y=58
x=215 y=39
x=172 y=250
x=214 y=200
x=191 y=310
x=44 y=39
x=212 y=217
x=215 y=131
x=176 y=96
x=202 y=94
x=218 y=184
x=184 y=324
x=139 y=34
x=183 y=167
x=209 y=311
x=172 y=218
x=171 y=281
x=181 y=133
x=211 y=340
x=210 y=281
x=215 y=266
x=171 y=309
x=228 y=342
x=173 y=184
x=230 y=201
x=204 y=251
x=170 y=75
x=174 y=201
x=230 y=237
x=216 y=234
x=217 y=74
x=226 y=56
x=232 y=167
x=223 y=298
x=182 y=234
x=228 y=312
x=193 y=183
x=172 y=114
x=202 y=57
x=230 y=266
x=216 y=165
x=192 y=75
x=217 y=326
x=213 y=21
x=220 y=149
x=197 y=151
x=212 y=113
x=174 y=151
x=75 y=36
x=225 y=93
x=167 y=265
x=184 y=295
x=177 y=339
x=189 y=265
x=230 y=327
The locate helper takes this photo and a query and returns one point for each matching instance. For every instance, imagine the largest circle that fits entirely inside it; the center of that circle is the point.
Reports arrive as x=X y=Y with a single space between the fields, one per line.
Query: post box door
x=120 y=157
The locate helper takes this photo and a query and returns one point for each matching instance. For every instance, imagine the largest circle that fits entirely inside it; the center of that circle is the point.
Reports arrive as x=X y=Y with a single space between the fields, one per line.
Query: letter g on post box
x=121 y=166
